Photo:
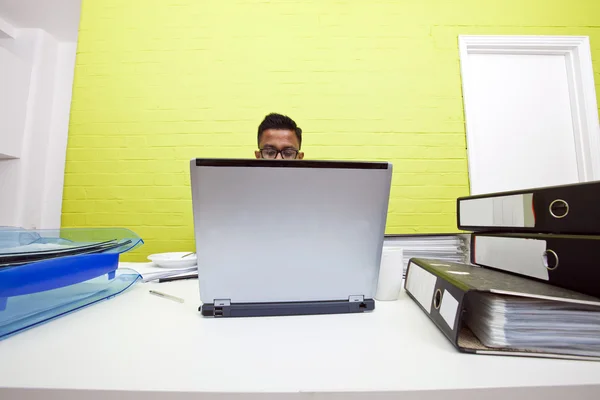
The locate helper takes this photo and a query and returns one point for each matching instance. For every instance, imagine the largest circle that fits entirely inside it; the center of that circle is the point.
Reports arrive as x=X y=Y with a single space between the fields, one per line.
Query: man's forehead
x=277 y=137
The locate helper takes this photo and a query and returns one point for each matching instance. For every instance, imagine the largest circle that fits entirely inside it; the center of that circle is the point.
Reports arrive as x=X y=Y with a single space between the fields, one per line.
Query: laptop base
x=286 y=308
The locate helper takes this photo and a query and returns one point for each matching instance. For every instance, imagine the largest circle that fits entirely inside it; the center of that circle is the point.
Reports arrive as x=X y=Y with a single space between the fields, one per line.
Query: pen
x=178 y=278
x=166 y=296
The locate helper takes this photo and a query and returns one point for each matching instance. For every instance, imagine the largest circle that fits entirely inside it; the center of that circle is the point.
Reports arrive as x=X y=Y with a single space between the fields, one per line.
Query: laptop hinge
x=221 y=307
x=354 y=298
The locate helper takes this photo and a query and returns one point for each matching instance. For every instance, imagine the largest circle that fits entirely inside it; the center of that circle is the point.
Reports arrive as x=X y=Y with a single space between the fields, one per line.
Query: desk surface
x=138 y=342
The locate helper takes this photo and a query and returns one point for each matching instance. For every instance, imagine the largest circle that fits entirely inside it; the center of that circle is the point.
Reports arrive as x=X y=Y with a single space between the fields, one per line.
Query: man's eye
x=269 y=153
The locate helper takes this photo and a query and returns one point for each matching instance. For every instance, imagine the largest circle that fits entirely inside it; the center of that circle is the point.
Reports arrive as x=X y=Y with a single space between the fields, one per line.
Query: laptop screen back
x=284 y=231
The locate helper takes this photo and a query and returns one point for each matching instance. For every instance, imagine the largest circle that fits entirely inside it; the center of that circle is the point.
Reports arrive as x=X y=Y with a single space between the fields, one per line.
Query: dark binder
x=569 y=209
x=448 y=293
x=568 y=261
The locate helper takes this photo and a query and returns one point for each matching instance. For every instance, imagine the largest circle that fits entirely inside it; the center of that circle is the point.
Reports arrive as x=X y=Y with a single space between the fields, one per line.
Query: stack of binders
x=532 y=286
x=551 y=234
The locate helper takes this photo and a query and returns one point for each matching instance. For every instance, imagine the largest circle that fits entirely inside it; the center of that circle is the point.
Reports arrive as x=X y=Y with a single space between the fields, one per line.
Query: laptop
x=288 y=237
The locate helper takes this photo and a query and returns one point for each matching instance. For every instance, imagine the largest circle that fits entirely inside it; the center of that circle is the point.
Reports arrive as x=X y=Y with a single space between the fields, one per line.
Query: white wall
x=37 y=130
x=21 y=45
x=31 y=182
x=54 y=173
x=14 y=83
x=16 y=58
x=6 y=30
x=9 y=175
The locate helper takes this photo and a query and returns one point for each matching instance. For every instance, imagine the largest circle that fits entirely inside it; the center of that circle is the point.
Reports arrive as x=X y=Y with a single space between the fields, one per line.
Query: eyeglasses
x=286 y=154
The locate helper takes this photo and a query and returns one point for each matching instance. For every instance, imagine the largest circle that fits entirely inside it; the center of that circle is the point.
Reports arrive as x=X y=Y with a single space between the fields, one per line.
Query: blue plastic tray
x=33 y=293
x=36 y=293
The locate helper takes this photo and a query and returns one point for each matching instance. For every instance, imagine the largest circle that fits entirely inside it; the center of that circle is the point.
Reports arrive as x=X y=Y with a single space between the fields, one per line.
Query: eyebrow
x=275 y=148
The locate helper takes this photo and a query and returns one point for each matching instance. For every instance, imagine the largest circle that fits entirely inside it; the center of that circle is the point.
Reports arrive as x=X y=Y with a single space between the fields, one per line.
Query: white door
x=530 y=111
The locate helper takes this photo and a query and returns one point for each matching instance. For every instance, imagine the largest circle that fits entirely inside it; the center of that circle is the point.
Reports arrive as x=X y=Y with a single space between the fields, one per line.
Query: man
x=279 y=138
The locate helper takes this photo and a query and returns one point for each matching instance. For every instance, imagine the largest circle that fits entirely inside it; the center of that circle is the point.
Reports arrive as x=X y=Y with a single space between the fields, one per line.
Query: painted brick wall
x=160 y=82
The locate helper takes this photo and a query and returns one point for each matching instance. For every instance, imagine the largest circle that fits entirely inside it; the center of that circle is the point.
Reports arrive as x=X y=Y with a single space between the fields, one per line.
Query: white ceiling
x=60 y=18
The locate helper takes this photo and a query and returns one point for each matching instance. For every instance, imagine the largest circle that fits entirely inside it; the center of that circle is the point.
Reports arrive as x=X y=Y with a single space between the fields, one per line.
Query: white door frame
x=576 y=50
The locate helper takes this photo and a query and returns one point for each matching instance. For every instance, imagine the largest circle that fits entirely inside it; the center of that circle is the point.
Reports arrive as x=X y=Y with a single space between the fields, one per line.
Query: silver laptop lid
x=284 y=231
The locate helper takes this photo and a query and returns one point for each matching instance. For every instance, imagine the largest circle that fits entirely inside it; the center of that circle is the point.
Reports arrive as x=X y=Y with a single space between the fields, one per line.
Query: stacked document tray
x=45 y=274
x=447 y=247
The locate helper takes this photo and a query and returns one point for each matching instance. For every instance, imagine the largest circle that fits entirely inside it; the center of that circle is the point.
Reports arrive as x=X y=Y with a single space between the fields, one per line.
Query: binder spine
x=497 y=213
x=566 y=261
x=522 y=256
x=437 y=297
x=567 y=209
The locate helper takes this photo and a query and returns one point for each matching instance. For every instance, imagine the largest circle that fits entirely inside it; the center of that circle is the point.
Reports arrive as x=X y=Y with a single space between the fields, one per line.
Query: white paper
x=150 y=272
x=421 y=284
x=522 y=323
x=519 y=255
x=154 y=276
x=448 y=308
x=494 y=211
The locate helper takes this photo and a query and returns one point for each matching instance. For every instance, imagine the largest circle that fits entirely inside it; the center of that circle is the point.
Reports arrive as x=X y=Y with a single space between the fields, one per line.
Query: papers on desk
x=534 y=324
x=444 y=247
x=150 y=272
x=154 y=276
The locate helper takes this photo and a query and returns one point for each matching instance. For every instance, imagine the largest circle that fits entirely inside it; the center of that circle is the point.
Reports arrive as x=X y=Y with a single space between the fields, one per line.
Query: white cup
x=390 y=274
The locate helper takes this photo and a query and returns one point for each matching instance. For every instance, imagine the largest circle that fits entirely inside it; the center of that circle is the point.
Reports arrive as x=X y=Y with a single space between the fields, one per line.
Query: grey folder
x=279 y=237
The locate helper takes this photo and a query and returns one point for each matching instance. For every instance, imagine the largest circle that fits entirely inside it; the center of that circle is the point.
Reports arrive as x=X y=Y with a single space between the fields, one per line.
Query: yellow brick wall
x=160 y=82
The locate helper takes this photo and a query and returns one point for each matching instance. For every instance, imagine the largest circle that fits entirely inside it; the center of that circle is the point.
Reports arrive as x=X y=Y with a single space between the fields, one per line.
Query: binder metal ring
x=559 y=202
x=548 y=267
x=437 y=299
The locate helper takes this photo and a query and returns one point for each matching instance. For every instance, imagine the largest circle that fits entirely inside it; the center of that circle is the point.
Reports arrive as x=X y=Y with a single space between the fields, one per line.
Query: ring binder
x=574 y=267
x=546 y=259
x=559 y=208
x=566 y=209
x=484 y=311
x=437 y=299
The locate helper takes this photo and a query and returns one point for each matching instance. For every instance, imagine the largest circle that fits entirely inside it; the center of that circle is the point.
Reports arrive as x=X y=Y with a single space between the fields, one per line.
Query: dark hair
x=278 y=121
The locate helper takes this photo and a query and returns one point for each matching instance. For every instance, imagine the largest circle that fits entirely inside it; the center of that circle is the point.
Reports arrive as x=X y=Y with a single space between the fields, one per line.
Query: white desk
x=141 y=346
